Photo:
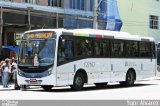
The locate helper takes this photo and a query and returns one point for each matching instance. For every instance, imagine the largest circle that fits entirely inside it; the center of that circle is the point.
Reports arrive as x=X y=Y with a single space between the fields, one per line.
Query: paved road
x=147 y=89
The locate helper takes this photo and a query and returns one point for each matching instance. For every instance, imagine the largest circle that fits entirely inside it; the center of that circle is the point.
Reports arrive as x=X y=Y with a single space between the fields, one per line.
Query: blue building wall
x=109 y=12
x=108 y=15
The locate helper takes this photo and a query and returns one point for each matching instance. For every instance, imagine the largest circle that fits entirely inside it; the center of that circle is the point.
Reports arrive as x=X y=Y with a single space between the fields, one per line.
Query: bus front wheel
x=78 y=82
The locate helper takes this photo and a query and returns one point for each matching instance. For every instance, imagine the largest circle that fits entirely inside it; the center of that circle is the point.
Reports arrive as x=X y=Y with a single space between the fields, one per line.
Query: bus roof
x=97 y=33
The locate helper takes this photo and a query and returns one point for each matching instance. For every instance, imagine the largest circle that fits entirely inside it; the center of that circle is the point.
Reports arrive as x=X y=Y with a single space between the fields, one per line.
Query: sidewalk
x=10 y=87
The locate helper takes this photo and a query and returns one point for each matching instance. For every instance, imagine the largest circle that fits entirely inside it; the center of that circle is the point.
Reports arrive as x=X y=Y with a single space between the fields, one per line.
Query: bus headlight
x=20 y=72
x=49 y=71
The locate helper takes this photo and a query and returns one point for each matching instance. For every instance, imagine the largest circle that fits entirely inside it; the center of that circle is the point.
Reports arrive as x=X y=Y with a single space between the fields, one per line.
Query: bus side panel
x=118 y=71
x=104 y=70
x=147 y=68
x=65 y=74
x=97 y=69
x=90 y=67
x=135 y=65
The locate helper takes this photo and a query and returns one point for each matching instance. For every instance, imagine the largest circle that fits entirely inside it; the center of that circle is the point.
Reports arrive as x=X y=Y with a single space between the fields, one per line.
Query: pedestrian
x=6 y=69
x=14 y=68
x=9 y=71
x=1 y=70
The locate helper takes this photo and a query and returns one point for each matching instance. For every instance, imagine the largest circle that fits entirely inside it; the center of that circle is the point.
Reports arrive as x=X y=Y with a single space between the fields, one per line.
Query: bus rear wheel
x=78 y=82
x=47 y=87
x=129 y=79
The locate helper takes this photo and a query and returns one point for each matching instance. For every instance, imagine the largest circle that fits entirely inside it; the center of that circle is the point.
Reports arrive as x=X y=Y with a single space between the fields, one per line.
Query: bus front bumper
x=49 y=80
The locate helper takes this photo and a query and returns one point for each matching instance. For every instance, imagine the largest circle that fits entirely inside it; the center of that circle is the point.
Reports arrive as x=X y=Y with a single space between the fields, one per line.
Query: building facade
x=17 y=16
x=154 y=19
x=141 y=17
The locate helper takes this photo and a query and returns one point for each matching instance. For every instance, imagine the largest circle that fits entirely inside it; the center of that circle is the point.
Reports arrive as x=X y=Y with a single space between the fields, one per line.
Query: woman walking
x=14 y=68
x=6 y=69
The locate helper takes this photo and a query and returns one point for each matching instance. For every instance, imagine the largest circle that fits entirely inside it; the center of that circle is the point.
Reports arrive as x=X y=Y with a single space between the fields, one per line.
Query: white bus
x=60 y=57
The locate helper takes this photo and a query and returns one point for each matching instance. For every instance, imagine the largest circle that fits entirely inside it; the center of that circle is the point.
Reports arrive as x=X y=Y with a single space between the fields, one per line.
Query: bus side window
x=68 y=49
x=145 y=49
x=61 y=54
x=117 y=48
x=153 y=50
x=65 y=50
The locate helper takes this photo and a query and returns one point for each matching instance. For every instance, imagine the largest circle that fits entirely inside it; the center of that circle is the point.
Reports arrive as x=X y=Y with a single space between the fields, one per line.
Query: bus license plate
x=33 y=81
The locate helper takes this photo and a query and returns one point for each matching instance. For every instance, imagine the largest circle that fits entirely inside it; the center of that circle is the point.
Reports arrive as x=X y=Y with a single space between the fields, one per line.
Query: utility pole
x=29 y=17
x=95 y=14
x=57 y=16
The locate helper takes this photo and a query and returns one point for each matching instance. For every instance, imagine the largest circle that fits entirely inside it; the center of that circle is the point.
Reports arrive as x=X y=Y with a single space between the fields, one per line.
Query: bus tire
x=123 y=83
x=47 y=87
x=129 y=79
x=101 y=85
x=78 y=82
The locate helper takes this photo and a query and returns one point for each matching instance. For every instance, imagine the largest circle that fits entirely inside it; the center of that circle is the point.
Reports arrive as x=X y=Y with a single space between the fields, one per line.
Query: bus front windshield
x=37 y=52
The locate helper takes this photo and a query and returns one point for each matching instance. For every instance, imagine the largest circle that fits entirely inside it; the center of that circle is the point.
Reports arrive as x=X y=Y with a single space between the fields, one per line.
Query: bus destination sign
x=39 y=35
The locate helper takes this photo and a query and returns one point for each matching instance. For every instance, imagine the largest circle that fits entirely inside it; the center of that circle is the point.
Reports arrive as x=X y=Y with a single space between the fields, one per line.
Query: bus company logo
x=9 y=103
x=89 y=64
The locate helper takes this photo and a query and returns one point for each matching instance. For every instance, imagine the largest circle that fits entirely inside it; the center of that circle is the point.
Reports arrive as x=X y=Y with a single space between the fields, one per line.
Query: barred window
x=31 y=1
x=77 y=4
x=154 y=22
x=91 y=5
x=55 y=3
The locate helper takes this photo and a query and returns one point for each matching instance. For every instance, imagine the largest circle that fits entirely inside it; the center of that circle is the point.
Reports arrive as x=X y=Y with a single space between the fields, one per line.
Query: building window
x=77 y=4
x=154 y=22
x=91 y=5
x=55 y=3
x=31 y=1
